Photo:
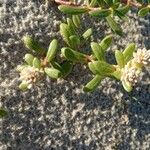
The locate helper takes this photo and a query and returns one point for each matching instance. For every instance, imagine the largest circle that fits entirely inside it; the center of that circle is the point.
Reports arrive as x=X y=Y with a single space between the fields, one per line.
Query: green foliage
x=128 y=52
x=73 y=55
x=114 y=26
x=72 y=9
x=46 y=63
x=3 y=113
x=93 y=84
x=107 y=9
x=53 y=73
x=31 y=44
x=52 y=50
x=119 y=58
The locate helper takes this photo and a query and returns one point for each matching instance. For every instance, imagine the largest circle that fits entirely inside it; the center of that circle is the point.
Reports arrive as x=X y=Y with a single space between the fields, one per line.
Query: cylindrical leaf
x=56 y=65
x=76 y=20
x=36 y=63
x=114 y=26
x=93 y=84
x=65 y=33
x=144 y=11
x=119 y=58
x=124 y=9
x=97 y=50
x=73 y=10
x=106 y=42
x=116 y=74
x=72 y=55
x=100 y=13
x=53 y=73
x=128 y=52
x=101 y=68
x=87 y=33
x=127 y=86
x=23 y=86
x=71 y=25
x=92 y=68
x=51 y=53
x=33 y=45
x=29 y=59
x=75 y=41
x=67 y=68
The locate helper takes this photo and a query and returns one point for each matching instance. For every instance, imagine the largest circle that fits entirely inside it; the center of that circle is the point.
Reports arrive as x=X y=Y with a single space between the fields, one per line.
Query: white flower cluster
x=142 y=56
x=30 y=75
x=130 y=73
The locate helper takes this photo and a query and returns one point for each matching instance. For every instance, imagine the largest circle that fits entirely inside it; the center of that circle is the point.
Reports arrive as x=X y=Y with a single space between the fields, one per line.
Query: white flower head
x=142 y=56
x=30 y=75
x=130 y=74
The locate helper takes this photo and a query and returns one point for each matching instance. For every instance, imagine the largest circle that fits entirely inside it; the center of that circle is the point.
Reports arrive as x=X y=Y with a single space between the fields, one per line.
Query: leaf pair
x=124 y=57
x=100 y=48
x=59 y=71
x=32 y=61
x=32 y=44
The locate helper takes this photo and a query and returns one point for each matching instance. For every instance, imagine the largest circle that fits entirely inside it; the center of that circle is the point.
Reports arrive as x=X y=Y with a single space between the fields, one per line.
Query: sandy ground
x=58 y=114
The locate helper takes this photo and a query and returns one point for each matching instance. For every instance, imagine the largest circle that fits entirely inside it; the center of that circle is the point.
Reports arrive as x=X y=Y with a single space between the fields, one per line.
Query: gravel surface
x=58 y=114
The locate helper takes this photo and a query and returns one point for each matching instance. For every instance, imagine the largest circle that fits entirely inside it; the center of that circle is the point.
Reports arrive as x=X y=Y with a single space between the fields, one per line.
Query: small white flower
x=130 y=74
x=30 y=75
x=142 y=57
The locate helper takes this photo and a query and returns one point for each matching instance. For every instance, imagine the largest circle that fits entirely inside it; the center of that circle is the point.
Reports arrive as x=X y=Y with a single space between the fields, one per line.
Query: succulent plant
x=127 y=69
x=105 y=9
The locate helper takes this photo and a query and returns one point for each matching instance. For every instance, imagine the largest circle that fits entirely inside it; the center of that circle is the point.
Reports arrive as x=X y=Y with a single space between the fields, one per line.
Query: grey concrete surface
x=58 y=114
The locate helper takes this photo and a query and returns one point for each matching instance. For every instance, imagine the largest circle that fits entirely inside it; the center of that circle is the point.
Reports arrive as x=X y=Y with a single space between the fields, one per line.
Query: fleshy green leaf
x=67 y=68
x=119 y=58
x=29 y=59
x=127 y=87
x=51 y=53
x=31 y=44
x=121 y=15
x=124 y=9
x=101 y=68
x=71 y=25
x=3 y=113
x=93 y=84
x=143 y=12
x=97 y=50
x=114 y=26
x=36 y=63
x=76 y=20
x=75 y=41
x=73 y=10
x=56 y=65
x=128 y=52
x=23 y=86
x=65 y=33
x=87 y=33
x=100 y=13
x=72 y=55
x=116 y=74
x=106 y=42
x=53 y=73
